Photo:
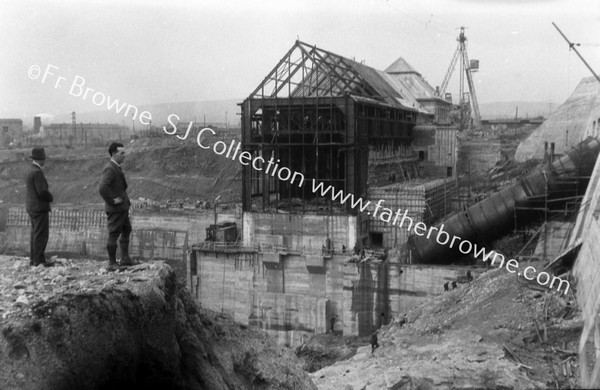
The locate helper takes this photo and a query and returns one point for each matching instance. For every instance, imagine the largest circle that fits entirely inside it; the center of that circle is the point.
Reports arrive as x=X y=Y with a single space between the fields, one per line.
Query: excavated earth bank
x=76 y=326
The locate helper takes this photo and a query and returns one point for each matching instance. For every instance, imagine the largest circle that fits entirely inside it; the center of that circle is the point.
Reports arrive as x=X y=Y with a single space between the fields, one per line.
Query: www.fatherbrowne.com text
x=398 y=218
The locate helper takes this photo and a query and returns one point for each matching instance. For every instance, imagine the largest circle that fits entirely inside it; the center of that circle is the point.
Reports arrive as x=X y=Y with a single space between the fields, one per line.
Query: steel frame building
x=321 y=114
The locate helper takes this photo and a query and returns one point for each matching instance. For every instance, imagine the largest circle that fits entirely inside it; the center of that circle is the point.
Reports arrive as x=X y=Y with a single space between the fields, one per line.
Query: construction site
x=280 y=283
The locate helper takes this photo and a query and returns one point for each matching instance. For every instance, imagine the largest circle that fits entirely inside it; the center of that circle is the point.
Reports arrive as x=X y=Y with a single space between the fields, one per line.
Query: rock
x=94 y=330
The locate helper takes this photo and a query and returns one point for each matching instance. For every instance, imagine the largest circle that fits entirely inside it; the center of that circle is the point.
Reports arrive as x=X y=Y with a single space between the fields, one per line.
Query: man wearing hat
x=37 y=204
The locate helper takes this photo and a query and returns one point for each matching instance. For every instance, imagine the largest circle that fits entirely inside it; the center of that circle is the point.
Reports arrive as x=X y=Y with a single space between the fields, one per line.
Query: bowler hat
x=38 y=154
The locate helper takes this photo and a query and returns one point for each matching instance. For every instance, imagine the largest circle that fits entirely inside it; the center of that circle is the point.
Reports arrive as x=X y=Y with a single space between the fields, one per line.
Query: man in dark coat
x=113 y=188
x=37 y=204
x=374 y=342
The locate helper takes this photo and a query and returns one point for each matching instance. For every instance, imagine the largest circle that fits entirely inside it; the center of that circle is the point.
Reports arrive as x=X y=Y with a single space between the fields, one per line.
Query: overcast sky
x=145 y=52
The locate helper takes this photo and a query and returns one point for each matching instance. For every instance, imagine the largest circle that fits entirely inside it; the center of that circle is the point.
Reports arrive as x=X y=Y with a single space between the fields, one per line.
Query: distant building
x=9 y=129
x=92 y=134
x=411 y=80
x=37 y=124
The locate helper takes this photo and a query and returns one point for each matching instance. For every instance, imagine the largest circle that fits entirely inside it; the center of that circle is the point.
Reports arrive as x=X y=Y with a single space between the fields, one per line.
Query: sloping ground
x=491 y=333
x=75 y=326
x=567 y=125
x=156 y=168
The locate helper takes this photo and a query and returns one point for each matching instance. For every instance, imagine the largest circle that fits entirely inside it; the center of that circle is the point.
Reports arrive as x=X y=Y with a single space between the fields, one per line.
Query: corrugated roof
x=403 y=72
x=390 y=89
x=307 y=71
x=417 y=86
x=401 y=66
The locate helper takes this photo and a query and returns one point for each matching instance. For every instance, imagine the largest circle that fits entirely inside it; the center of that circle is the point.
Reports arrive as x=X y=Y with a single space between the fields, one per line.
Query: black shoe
x=126 y=262
x=112 y=266
x=45 y=264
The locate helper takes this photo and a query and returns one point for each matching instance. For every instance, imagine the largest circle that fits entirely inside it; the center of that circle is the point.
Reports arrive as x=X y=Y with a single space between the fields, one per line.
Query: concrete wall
x=425 y=202
x=278 y=294
x=439 y=143
x=293 y=295
x=83 y=230
x=568 y=125
x=478 y=154
x=300 y=232
x=392 y=289
x=553 y=239
x=76 y=230
x=586 y=272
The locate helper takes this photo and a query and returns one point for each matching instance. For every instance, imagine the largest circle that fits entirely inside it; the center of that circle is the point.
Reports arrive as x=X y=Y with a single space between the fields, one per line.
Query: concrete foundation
x=586 y=272
x=425 y=201
x=291 y=297
x=553 y=240
x=82 y=230
x=300 y=232
x=478 y=154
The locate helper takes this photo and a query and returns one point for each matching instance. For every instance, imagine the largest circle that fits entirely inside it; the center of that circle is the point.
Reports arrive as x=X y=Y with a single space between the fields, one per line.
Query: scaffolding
x=561 y=199
x=320 y=114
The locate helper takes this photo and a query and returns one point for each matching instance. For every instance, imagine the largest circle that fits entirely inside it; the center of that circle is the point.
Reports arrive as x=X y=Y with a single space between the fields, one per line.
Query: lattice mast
x=466 y=68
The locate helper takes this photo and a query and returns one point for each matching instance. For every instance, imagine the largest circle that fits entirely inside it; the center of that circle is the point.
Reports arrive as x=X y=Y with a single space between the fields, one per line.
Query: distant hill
x=213 y=111
x=499 y=110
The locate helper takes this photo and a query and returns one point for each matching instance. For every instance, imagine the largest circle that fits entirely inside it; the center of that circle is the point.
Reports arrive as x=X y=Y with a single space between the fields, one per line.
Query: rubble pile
x=495 y=332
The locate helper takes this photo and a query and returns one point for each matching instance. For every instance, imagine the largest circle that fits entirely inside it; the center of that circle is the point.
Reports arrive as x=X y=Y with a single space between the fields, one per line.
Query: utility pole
x=74 y=125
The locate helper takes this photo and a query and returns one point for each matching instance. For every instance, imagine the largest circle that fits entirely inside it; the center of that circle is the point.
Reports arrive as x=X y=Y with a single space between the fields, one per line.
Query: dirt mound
x=158 y=169
x=76 y=326
x=495 y=332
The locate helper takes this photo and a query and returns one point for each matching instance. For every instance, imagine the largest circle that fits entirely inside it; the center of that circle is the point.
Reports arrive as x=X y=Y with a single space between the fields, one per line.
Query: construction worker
x=374 y=342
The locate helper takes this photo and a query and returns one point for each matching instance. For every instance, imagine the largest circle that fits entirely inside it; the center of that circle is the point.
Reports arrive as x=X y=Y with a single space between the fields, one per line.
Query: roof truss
x=306 y=71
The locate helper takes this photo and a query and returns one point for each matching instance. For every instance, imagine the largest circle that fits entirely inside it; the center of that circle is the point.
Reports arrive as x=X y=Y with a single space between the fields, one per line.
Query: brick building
x=82 y=134
x=9 y=129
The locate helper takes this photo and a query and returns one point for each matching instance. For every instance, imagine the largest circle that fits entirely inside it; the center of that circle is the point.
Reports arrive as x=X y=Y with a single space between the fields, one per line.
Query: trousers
x=118 y=226
x=38 y=240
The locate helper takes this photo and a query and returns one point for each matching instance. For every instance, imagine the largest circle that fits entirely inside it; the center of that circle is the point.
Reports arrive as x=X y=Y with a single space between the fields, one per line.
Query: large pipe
x=494 y=217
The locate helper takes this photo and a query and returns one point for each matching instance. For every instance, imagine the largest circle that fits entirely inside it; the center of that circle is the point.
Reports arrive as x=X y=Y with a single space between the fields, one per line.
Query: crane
x=468 y=67
x=572 y=46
